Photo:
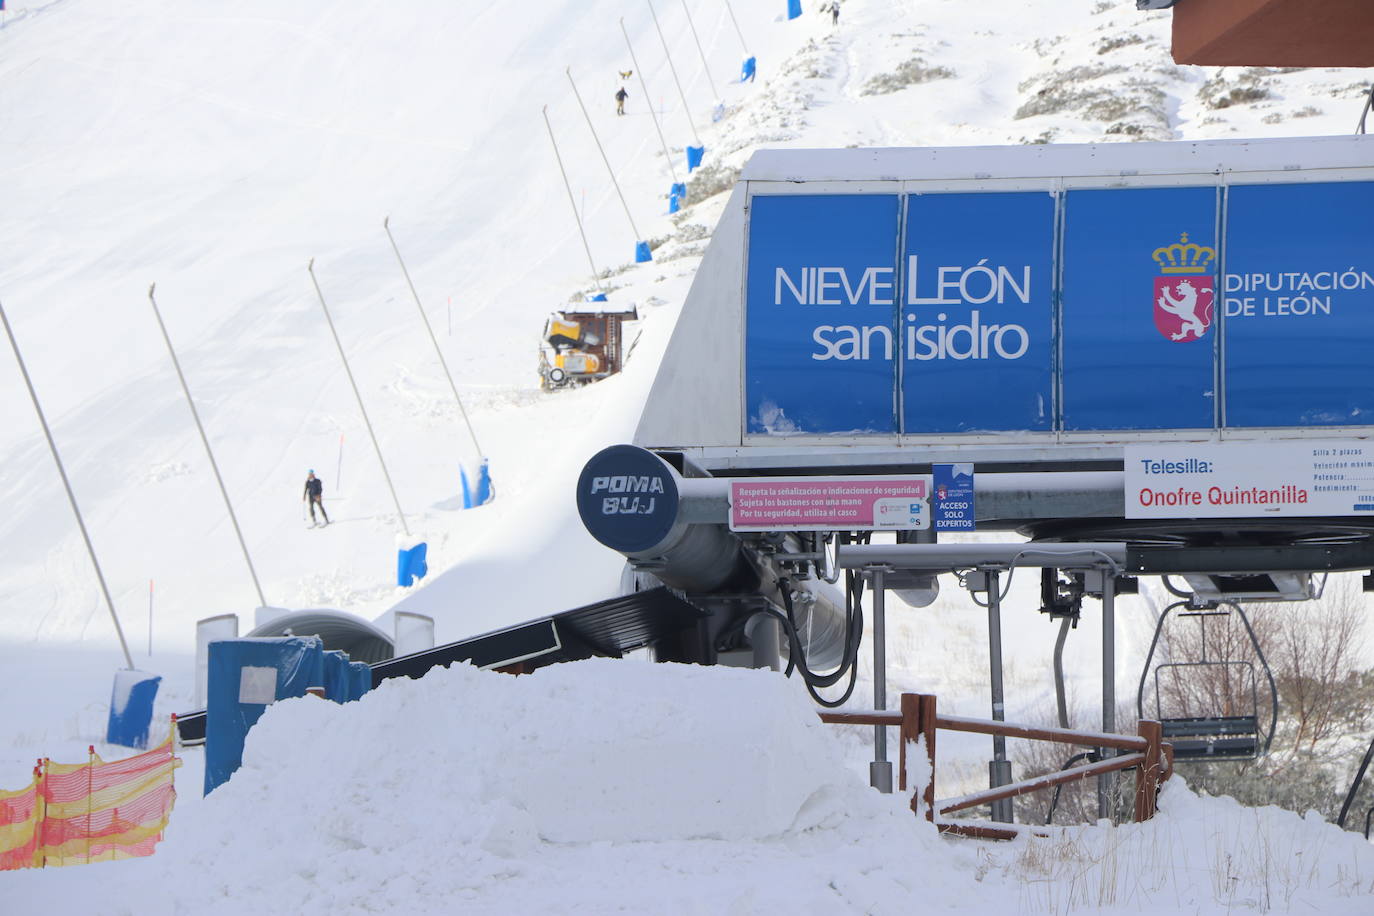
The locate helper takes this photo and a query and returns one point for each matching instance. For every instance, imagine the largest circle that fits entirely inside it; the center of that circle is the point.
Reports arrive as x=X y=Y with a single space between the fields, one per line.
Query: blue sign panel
x=977 y=321
x=1299 y=305
x=820 y=314
x=952 y=486
x=1139 y=308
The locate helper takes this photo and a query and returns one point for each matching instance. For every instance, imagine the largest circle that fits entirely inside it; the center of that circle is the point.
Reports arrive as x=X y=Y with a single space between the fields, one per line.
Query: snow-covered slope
x=215 y=152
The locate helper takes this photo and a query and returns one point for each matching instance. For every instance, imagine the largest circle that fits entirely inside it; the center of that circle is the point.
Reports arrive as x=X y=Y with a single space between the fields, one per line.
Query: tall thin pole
x=214 y=466
x=596 y=276
x=999 y=770
x=704 y=68
x=673 y=70
x=737 y=28
x=652 y=114
x=1106 y=783
x=361 y=409
x=880 y=770
x=71 y=497
x=610 y=171
x=386 y=224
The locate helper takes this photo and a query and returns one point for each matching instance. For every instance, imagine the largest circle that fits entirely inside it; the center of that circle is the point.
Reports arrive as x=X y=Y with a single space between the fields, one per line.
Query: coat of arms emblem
x=1185 y=291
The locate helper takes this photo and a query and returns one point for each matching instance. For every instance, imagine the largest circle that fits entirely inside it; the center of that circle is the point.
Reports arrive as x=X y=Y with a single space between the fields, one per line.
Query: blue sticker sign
x=1139 y=308
x=977 y=323
x=1299 y=305
x=819 y=317
x=1093 y=310
x=952 y=486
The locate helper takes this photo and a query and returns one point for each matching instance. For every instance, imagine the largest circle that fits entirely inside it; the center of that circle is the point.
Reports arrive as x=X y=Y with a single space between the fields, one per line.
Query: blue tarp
x=599 y=297
x=411 y=565
x=337 y=677
x=131 y=706
x=245 y=676
x=747 y=72
x=694 y=156
x=360 y=679
x=793 y=9
x=642 y=252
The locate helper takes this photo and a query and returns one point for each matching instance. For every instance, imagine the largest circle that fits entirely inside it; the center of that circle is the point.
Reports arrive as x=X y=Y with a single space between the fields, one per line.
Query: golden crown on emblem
x=1184 y=257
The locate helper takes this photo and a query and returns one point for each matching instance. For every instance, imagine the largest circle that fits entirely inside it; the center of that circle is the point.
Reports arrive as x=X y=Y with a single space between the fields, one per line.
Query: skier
x=835 y=13
x=314 y=490
x=620 y=98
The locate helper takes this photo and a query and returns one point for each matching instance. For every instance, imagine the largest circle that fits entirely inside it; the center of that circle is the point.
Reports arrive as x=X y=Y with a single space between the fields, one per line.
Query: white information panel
x=1296 y=477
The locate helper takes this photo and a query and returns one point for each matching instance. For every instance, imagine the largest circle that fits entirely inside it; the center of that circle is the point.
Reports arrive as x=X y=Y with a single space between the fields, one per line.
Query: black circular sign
x=628 y=498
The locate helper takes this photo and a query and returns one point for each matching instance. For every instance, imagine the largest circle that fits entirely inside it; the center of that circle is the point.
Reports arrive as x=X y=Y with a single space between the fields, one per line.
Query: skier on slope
x=620 y=98
x=314 y=491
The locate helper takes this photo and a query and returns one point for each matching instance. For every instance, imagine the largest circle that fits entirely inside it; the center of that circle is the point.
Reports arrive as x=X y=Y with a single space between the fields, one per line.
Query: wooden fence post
x=911 y=729
x=1150 y=773
x=918 y=722
x=926 y=726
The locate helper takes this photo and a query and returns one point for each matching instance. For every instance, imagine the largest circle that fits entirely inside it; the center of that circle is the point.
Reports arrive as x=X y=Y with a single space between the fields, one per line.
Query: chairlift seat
x=1209 y=726
x=1213 y=737
x=1207 y=738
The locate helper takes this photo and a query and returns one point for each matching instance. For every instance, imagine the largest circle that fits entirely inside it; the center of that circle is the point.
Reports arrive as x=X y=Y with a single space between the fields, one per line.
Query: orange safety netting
x=20 y=816
x=75 y=813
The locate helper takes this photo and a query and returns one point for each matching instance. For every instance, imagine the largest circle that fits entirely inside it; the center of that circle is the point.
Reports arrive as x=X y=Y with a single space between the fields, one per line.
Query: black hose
x=1091 y=757
x=853 y=637
x=1355 y=788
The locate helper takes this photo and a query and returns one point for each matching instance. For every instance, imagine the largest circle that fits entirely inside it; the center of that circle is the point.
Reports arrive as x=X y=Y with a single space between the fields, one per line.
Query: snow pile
x=651 y=788
x=555 y=787
x=1200 y=854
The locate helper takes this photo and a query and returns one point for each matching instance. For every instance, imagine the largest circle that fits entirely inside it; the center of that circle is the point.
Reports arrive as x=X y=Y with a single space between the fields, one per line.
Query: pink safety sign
x=830 y=503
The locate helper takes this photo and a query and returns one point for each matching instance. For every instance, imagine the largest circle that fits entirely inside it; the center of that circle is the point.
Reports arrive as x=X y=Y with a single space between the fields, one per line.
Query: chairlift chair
x=1220 y=735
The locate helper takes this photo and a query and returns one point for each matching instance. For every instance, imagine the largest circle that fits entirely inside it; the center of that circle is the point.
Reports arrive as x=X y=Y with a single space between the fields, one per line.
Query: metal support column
x=765 y=641
x=880 y=770
x=999 y=769
x=1106 y=783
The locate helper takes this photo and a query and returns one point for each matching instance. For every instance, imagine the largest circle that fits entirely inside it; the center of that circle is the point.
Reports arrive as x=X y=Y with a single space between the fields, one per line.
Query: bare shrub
x=1121 y=41
x=910 y=73
x=1250 y=85
x=709 y=180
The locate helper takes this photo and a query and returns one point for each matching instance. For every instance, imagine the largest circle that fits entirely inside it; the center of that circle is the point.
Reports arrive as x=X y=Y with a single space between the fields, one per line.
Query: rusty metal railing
x=1145 y=752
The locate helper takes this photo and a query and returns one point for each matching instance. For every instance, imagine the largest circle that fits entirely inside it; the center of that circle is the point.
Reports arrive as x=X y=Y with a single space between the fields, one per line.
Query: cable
x=853 y=637
x=1090 y=757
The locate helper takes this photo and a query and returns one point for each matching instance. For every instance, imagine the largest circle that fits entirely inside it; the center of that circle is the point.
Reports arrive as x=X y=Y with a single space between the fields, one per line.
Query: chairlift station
x=1148 y=359
x=1141 y=359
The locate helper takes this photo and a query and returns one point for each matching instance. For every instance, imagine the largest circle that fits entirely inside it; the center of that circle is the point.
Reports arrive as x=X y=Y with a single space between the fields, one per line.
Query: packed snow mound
x=650 y=788
x=579 y=753
x=551 y=788
x=1198 y=855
